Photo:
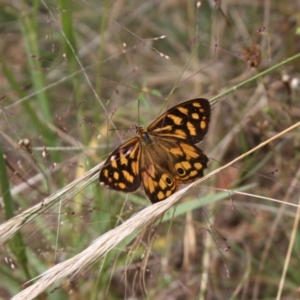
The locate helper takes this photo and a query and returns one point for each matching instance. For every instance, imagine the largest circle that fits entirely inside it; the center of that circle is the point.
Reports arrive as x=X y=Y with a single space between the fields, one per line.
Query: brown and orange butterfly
x=162 y=157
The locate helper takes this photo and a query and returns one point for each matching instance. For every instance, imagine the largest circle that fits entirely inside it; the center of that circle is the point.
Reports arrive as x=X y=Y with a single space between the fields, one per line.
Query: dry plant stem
x=10 y=227
x=272 y=235
x=40 y=176
x=112 y=238
x=260 y=75
x=189 y=241
x=83 y=71
x=289 y=252
x=252 y=109
x=260 y=197
x=35 y=93
x=205 y=263
x=244 y=282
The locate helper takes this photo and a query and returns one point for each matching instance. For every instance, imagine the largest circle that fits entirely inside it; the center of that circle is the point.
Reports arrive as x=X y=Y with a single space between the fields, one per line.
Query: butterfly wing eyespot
x=158 y=184
x=187 y=121
x=121 y=170
x=191 y=164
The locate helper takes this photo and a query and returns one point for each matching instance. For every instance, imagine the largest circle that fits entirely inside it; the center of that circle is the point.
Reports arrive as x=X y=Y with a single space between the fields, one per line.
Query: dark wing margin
x=188 y=121
x=121 y=171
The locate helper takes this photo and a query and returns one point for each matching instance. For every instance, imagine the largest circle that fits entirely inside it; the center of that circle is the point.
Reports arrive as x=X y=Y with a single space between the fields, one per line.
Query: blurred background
x=76 y=76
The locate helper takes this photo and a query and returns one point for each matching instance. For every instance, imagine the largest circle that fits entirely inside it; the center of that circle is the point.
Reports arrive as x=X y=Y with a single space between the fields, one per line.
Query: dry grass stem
x=10 y=227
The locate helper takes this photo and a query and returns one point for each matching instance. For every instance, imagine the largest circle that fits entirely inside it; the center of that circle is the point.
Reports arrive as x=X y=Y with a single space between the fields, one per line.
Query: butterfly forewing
x=121 y=170
x=188 y=121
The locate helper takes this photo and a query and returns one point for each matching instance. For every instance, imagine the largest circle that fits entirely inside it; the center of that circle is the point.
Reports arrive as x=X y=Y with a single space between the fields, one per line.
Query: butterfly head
x=139 y=130
x=143 y=134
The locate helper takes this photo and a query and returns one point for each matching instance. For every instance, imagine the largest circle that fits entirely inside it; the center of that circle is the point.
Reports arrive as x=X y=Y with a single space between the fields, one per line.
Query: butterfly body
x=163 y=156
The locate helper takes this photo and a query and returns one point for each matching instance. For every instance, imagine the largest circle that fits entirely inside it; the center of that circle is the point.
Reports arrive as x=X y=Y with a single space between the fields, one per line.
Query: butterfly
x=163 y=156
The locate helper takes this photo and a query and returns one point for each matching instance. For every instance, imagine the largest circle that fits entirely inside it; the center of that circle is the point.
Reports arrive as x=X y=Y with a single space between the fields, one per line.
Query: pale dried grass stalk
x=10 y=227
x=112 y=238
x=101 y=246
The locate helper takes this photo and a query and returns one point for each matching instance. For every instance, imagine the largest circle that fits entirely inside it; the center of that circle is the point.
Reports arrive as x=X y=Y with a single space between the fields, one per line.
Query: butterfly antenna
x=139 y=112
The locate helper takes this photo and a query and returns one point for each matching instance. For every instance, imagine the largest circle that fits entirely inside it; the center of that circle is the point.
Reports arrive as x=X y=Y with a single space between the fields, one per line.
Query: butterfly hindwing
x=158 y=183
x=173 y=162
x=190 y=164
x=121 y=170
x=187 y=121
